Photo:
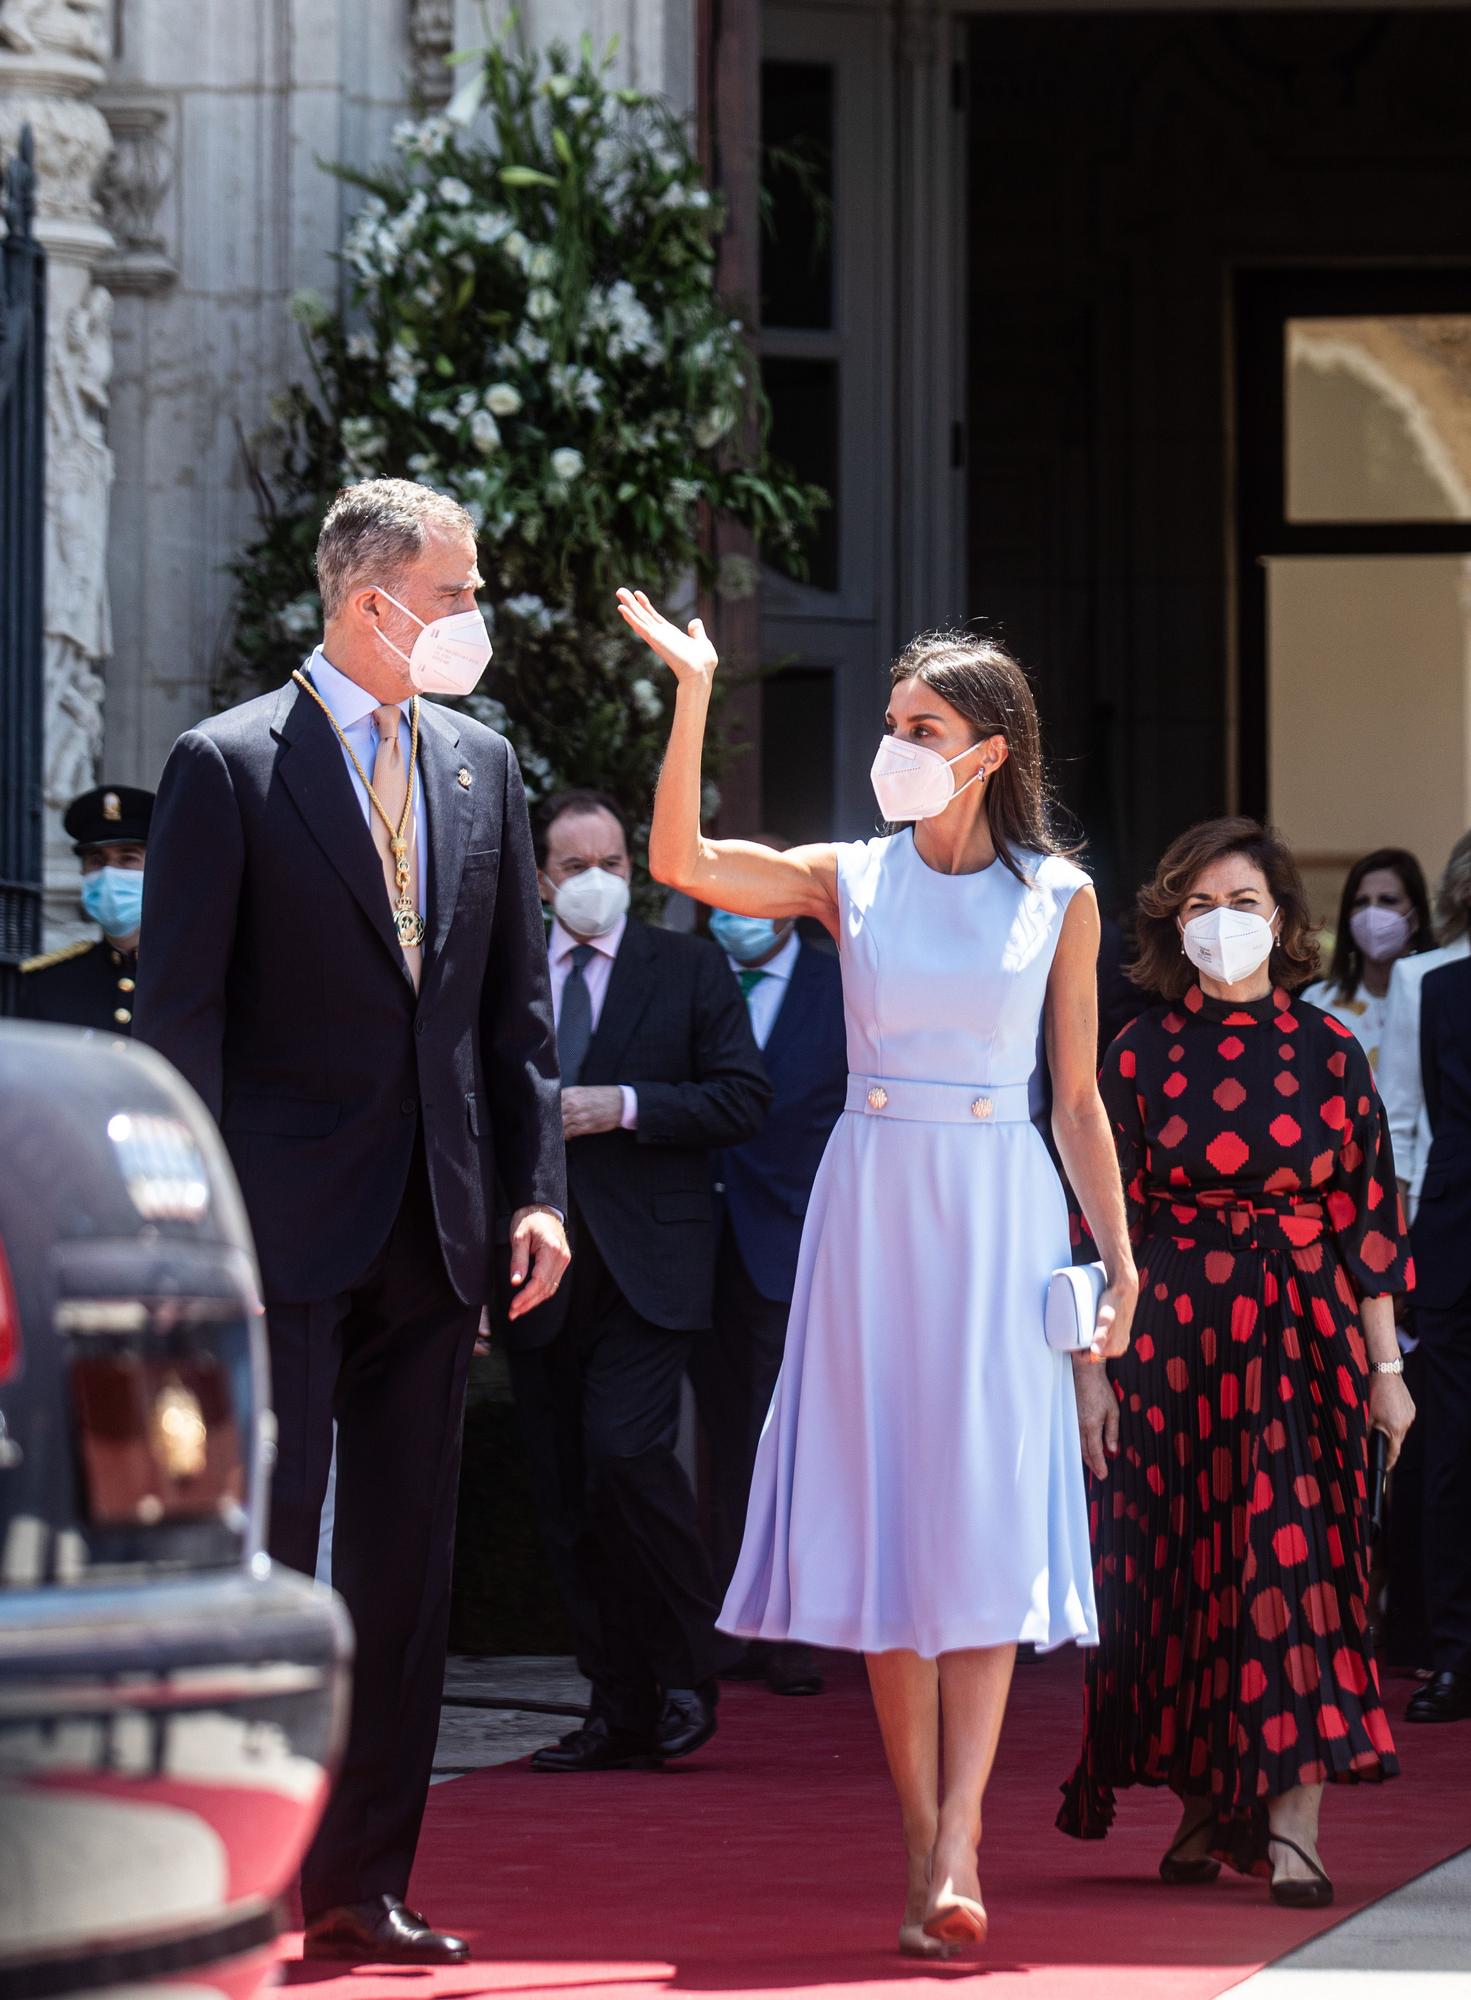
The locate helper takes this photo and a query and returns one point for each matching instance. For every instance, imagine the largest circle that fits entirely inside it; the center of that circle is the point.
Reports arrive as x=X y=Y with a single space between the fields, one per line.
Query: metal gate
x=22 y=521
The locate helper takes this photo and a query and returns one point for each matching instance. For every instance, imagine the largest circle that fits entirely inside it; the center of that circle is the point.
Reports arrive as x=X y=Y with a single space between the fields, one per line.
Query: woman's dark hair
x=579 y=801
x=981 y=681
x=1347 y=966
x=1161 y=965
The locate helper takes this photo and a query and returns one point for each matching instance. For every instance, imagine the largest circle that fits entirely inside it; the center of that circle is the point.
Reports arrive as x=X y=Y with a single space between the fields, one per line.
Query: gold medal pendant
x=409 y=925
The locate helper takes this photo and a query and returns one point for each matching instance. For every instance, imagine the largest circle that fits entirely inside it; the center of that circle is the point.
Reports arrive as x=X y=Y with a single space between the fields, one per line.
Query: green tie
x=750 y=977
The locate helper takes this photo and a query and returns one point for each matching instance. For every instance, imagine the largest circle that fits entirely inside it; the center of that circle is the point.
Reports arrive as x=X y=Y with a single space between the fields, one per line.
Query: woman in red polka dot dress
x=1230 y=1445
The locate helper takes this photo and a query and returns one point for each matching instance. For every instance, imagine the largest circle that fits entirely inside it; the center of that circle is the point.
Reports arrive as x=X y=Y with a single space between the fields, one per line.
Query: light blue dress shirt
x=352 y=709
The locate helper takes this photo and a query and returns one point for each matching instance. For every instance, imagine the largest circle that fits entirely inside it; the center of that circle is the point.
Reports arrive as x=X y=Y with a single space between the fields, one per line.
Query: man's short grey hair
x=373 y=530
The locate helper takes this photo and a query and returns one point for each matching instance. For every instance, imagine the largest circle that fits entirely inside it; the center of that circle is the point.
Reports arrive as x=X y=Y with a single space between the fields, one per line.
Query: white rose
x=540 y=303
x=311 y=310
x=541 y=264
x=516 y=246
x=485 y=432
x=453 y=192
x=566 y=464
x=712 y=428
x=502 y=399
x=646 y=700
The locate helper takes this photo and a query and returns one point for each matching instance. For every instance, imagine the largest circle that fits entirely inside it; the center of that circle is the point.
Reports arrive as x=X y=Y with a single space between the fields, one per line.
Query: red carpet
x=770 y=1864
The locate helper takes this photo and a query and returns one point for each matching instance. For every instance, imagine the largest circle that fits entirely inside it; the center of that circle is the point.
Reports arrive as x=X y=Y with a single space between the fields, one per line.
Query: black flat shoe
x=1444 y=1698
x=1180 y=1873
x=687 y=1720
x=1295 y=1895
x=597 y=1746
x=381 y=1932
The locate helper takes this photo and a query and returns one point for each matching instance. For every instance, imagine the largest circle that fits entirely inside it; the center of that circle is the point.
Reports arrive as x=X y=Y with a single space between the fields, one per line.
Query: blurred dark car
x=171 y=1707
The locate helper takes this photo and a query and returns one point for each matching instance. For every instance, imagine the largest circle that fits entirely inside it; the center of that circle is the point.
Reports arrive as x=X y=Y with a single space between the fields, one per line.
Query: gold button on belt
x=878 y=1097
x=981 y=1107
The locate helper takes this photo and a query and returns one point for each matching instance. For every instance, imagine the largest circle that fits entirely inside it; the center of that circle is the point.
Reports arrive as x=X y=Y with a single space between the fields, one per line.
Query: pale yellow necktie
x=391 y=783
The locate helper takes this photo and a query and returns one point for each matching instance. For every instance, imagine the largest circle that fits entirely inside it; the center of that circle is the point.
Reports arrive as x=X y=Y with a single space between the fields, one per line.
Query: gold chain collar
x=407 y=923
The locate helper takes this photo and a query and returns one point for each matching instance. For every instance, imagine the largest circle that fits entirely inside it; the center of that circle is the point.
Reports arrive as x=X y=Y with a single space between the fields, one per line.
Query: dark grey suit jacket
x=274 y=982
x=674 y=1025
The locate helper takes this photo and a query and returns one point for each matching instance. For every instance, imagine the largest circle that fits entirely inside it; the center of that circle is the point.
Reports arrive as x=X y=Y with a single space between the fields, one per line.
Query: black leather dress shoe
x=597 y=1746
x=792 y=1670
x=381 y=1932
x=687 y=1719
x=1445 y=1698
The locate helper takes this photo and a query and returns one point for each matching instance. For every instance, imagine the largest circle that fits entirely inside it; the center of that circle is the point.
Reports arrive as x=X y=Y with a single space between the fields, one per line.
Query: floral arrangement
x=533 y=327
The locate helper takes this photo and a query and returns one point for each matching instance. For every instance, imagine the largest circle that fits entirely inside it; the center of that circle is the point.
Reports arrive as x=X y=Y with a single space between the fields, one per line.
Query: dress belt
x=940 y=1103
x=1239 y=1225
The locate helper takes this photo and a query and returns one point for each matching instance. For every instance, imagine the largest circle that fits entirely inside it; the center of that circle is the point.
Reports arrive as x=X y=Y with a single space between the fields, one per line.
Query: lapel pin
x=464 y=777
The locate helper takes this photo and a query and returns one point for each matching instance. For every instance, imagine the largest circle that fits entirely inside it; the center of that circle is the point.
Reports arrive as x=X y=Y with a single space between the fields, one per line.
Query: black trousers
x=599 y=1408
x=389 y=1361
x=1445 y=1345
x=1404 y=1640
x=733 y=1372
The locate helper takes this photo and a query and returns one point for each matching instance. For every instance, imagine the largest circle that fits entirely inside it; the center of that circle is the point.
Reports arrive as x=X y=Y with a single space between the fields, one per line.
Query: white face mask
x=911 y=781
x=590 y=904
x=450 y=654
x=1228 y=944
x=1379 y=933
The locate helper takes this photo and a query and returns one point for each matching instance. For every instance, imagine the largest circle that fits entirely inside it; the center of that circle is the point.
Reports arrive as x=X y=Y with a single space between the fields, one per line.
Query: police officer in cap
x=90 y=984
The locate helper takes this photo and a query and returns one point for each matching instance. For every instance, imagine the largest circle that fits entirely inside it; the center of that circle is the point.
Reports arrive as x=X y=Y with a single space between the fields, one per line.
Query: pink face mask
x=911 y=781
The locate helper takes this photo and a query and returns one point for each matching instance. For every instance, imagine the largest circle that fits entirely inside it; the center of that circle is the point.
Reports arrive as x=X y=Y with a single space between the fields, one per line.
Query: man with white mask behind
x=659 y=1067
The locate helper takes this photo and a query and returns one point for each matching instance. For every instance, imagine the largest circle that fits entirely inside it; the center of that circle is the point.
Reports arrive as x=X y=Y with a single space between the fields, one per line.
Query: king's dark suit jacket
x=768 y=1181
x=675 y=1027
x=1442 y=1231
x=275 y=983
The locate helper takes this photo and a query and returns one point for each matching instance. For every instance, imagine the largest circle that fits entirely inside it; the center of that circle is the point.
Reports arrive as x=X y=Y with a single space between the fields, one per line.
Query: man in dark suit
x=1442 y=1245
x=659 y=1068
x=794 y=993
x=91 y=984
x=351 y=971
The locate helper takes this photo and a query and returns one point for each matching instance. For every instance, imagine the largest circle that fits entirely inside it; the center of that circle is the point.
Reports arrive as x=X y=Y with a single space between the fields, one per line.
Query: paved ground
x=472 y=1738
x=1414 y=1945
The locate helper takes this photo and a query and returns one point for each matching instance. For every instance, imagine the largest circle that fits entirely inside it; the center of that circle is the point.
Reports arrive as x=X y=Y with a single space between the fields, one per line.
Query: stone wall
x=52 y=54
x=182 y=203
x=221 y=114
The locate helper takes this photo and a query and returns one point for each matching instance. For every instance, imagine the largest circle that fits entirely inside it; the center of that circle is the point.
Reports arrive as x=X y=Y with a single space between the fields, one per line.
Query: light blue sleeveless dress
x=919 y=1481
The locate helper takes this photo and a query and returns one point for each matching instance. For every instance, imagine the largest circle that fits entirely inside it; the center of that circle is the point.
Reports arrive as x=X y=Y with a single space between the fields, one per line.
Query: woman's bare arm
x=730 y=874
x=1080 y=1123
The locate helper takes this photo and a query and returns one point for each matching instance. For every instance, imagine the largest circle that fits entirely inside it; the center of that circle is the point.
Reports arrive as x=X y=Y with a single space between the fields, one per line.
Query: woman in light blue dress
x=919 y=1494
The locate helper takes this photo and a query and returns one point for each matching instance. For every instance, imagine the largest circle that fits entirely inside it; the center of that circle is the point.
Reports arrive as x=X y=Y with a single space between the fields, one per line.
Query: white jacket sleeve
x=1399 y=1068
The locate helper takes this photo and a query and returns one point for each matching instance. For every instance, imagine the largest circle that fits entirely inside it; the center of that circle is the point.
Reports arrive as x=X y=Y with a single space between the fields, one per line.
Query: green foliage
x=534 y=327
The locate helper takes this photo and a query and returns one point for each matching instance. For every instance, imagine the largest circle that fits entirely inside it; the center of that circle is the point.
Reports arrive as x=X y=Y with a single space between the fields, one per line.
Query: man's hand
x=589 y=1108
x=539 y=1257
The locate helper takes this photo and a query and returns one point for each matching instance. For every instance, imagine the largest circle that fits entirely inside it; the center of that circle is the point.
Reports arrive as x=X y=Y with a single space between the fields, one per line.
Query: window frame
x=1265 y=301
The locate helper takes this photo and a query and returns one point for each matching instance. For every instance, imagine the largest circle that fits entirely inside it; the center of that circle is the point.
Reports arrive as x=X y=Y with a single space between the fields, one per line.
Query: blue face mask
x=113 y=897
x=747 y=939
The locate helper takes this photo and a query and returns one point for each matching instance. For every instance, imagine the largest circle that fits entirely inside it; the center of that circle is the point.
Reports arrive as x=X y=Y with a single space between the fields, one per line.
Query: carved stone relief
x=137 y=177
x=51 y=54
x=432 y=37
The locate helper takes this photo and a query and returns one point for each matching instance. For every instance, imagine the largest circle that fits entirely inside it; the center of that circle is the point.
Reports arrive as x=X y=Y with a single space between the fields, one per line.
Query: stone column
x=51 y=62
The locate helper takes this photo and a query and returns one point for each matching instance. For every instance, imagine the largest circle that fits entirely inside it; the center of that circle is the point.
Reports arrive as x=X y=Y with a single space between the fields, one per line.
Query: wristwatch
x=1395 y=1367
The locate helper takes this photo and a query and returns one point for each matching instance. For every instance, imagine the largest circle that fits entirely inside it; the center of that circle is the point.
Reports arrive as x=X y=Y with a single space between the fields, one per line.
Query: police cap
x=110 y=813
